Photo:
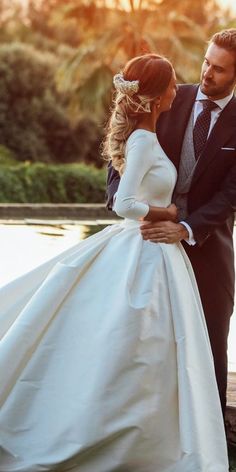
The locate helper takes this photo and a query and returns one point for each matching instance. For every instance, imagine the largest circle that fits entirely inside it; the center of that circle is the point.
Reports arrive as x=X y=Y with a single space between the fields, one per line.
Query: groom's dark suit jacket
x=212 y=195
x=211 y=206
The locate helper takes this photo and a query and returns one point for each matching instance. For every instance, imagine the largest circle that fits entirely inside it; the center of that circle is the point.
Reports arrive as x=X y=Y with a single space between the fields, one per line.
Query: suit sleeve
x=216 y=212
x=138 y=163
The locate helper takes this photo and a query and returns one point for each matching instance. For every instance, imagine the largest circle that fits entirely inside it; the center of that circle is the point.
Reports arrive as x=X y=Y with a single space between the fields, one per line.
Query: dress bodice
x=149 y=177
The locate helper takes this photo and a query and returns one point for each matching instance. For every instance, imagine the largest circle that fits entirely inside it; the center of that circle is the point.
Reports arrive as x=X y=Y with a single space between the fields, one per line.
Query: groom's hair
x=226 y=39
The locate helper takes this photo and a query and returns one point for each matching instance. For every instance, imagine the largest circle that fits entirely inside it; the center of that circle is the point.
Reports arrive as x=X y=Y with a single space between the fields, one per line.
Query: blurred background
x=57 y=59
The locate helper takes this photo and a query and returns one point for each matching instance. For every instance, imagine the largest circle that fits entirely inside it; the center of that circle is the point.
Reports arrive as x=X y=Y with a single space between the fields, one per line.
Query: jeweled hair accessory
x=125 y=86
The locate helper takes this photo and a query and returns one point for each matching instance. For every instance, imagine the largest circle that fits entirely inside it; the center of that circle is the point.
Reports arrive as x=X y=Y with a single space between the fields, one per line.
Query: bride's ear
x=157 y=102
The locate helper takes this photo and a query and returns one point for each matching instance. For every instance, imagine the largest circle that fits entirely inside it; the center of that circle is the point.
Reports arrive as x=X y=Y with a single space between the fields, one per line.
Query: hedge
x=42 y=183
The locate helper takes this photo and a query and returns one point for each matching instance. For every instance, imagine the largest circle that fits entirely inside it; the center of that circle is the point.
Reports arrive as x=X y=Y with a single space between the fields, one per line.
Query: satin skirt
x=105 y=363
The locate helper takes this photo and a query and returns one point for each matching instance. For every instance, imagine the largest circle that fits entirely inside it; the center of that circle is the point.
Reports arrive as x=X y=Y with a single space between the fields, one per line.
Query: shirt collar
x=221 y=103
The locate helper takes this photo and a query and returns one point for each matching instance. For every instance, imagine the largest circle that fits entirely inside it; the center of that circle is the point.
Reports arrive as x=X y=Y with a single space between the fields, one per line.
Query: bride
x=105 y=359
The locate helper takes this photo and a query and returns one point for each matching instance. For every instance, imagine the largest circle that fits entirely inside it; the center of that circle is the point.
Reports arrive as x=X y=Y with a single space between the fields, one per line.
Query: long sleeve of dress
x=138 y=163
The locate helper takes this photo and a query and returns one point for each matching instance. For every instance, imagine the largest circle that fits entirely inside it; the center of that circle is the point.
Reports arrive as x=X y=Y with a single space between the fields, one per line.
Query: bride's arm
x=138 y=162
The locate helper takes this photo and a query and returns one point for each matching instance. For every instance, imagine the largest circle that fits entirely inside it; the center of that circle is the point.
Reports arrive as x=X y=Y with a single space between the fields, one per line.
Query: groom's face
x=218 y=75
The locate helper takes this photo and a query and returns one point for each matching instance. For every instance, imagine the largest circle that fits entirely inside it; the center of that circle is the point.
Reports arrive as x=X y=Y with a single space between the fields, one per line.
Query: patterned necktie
x=202 y=125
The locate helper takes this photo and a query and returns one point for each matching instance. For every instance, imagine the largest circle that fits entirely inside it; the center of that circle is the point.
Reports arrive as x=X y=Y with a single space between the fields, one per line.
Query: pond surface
x=24 y=246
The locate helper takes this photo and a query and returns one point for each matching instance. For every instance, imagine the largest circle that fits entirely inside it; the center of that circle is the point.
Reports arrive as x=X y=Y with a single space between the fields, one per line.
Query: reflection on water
x=90 y=230
x=23 y=247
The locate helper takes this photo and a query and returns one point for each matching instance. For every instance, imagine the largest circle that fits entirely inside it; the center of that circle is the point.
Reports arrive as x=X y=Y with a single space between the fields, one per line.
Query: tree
x=45 y=17
x=168 y=27
x=33 y=124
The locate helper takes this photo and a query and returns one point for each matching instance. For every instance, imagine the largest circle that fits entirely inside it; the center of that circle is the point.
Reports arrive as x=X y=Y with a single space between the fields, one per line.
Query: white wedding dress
x=105 y=360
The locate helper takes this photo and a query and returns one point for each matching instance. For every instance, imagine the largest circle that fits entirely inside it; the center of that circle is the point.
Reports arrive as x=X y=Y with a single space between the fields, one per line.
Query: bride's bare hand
x=162 y=214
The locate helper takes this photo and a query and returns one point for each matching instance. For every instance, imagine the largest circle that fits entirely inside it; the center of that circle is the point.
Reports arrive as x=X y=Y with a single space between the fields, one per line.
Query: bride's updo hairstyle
x=143 y=79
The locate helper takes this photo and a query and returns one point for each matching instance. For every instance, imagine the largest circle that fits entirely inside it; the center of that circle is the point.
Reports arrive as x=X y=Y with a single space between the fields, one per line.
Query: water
x=23 y=247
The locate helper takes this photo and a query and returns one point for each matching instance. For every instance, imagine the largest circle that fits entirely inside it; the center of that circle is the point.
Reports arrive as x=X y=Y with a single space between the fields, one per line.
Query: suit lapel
x=183 y=110
x=223 y=129
x=174 y=122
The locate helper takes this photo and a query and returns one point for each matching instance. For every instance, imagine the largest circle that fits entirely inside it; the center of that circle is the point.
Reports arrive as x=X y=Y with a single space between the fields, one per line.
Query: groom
x=199 y=136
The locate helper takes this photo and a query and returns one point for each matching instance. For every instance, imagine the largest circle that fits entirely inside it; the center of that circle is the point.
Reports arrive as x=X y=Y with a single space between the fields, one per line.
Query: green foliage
x=93 y=96
x=84 y=184
x=6 y=156
x=33 y=123
x=89 y=136
x=11 y=187
x=41 y=183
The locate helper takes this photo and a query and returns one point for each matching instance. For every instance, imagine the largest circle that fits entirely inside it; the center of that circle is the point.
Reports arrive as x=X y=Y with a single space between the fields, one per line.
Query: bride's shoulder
x=141 y=137
x=141 y=143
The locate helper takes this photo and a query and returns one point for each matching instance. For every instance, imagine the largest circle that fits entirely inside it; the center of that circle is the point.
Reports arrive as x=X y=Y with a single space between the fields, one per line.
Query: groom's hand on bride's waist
x=164 y=232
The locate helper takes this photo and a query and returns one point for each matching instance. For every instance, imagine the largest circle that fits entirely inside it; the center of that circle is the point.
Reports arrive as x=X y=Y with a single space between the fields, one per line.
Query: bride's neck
x=148 y=121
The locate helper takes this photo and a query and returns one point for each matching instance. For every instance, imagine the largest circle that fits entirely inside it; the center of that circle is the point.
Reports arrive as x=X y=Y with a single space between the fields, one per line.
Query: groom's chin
x=206 y=89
